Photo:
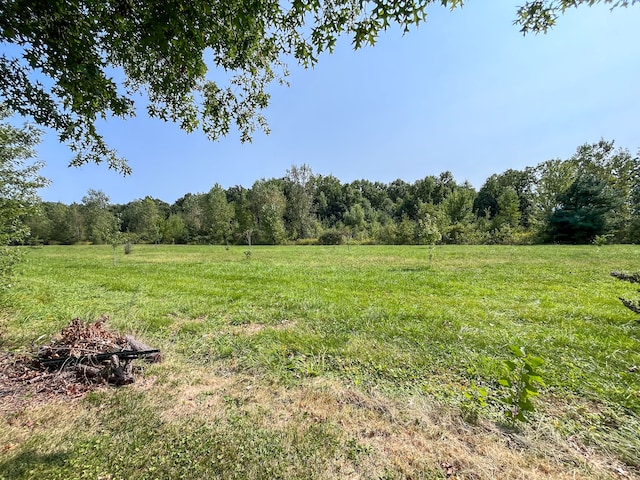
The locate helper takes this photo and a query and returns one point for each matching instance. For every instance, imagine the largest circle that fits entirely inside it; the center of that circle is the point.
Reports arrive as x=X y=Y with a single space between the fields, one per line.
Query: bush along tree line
x=594 y=196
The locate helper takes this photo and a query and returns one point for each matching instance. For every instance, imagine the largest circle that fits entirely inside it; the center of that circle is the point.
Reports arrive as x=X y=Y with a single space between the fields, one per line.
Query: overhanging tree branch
x=204 y=64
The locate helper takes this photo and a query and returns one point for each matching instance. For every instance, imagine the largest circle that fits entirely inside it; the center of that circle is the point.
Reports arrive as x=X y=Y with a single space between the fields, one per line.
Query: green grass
x=376 y=319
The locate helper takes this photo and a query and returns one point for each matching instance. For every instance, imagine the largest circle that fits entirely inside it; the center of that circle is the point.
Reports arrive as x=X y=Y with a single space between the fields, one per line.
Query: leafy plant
x=522 y=380
x=601 y=240
x=429 y=232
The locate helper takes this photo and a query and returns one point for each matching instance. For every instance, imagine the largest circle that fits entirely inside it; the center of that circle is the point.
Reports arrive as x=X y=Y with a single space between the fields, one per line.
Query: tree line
x=594 y=196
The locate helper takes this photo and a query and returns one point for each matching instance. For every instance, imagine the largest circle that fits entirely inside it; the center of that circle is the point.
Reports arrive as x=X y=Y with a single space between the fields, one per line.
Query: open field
x=334 y=362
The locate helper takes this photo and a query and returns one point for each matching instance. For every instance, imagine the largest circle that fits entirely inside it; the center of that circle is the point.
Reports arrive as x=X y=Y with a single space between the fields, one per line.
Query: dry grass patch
x=380 y=437
x=403 y=438
x=250 y=329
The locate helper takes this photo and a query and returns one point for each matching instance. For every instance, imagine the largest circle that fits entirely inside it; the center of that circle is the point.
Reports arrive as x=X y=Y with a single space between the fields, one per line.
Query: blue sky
x=465 y=92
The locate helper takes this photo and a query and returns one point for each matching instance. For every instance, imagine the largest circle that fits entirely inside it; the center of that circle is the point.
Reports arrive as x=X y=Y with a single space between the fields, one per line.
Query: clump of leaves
x=522 y=381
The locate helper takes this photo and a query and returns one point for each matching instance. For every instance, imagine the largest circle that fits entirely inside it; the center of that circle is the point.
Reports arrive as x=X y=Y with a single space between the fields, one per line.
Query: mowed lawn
x=335 y=362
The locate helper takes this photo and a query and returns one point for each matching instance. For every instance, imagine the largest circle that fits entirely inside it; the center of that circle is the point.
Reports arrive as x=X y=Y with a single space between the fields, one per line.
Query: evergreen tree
x=584 y=212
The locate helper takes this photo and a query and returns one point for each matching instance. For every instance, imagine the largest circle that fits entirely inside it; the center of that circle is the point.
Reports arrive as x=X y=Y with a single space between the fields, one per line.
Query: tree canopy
x=204 y=64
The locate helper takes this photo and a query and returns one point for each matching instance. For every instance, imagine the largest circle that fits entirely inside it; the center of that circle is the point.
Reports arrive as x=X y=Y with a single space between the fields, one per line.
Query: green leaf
x=531 y=391
x=536 y=379
x=535 y=361
x=511 y=365
x=526 y=405
x=505 y=382
x=517 y=351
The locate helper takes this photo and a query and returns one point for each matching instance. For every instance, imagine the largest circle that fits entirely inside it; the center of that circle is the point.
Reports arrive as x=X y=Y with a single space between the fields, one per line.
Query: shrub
x=331 y=237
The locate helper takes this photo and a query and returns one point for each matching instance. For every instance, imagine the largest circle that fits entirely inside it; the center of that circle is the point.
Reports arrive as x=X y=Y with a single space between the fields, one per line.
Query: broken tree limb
x=120 y=373
x=87 y=371
x=633 y=305
x=139 y=346
x=627 y=277
x=92 y=359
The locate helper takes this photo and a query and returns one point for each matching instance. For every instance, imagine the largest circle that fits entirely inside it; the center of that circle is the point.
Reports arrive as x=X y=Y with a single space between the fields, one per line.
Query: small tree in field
x=114 y=236
x=428 y=233
x=248 y=234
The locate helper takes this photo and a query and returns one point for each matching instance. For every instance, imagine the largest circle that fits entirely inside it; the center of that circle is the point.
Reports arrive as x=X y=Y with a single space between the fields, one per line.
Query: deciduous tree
x=218 y=215
x=299 y=192
x=101 y=225
x=268 y=206
x=19 y=183
x=243 y=218
x=142 y=218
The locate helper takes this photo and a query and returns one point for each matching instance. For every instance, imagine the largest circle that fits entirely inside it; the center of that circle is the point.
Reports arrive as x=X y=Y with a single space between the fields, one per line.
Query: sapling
x=522 y=379
x=115 y=240
x=429 y=233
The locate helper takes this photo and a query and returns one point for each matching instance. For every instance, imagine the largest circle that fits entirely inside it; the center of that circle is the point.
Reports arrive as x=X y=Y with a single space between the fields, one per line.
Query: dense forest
x=594 y=196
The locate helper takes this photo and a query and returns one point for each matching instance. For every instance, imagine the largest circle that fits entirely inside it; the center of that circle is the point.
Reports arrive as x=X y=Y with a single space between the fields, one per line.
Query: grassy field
x=335 y=362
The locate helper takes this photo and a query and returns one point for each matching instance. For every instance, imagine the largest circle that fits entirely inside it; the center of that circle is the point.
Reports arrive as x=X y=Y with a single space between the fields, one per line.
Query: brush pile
x=82 y=357
x=94 y=353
